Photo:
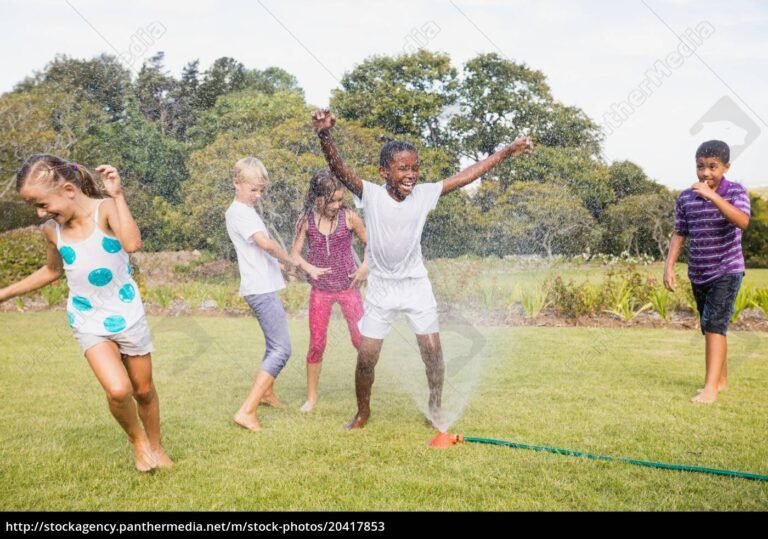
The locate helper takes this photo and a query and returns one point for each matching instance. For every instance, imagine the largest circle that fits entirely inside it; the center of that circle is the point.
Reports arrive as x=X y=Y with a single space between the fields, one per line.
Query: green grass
x=494 y=283
x=614 y=392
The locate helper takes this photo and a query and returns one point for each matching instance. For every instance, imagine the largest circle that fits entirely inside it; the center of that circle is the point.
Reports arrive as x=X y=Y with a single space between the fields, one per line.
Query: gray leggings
x=269 y=311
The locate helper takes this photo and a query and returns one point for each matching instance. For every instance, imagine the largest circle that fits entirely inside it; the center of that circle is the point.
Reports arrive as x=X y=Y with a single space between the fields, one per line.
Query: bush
x=22 y=252
x=55 y=293
x=533 y=301
x=573 y=300
x=16 y=214
x=760 y=301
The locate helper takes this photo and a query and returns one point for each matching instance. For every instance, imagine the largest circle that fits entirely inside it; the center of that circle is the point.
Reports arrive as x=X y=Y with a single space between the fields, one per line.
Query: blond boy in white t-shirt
x=258 y=259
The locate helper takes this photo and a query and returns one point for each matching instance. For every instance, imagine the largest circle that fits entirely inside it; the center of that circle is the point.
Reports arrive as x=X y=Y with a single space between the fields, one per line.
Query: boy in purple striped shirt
x=712 y=214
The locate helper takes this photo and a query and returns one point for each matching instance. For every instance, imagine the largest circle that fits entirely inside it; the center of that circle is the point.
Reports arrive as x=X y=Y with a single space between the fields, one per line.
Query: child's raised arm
x=323 y=121
x=119 y=215
x=53 y=269
x=468 y=175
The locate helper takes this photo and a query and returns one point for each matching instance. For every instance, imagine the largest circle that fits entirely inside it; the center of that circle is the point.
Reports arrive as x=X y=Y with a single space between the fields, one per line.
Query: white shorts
x=387 y=297
x=134 y=341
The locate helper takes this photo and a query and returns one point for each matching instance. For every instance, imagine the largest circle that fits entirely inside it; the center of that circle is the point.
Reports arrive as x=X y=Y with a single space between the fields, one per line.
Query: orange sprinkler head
x=442 y=440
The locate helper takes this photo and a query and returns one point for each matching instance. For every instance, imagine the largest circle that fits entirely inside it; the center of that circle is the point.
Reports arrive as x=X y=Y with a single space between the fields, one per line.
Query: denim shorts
x=715 y=301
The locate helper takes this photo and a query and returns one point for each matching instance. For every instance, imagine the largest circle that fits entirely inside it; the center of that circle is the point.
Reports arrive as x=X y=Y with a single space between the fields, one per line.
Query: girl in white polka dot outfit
x=89 y=238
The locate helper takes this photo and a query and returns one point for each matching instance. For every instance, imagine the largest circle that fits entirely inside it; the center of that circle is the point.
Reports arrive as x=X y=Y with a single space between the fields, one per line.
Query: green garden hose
x=569 y=452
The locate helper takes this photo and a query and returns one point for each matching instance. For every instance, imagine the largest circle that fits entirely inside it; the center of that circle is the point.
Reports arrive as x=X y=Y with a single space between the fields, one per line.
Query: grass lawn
x=497 y=283
x=614 y=392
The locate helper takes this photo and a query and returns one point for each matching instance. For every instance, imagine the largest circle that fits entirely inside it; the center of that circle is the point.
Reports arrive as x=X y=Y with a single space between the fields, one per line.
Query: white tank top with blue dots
x=103 y=297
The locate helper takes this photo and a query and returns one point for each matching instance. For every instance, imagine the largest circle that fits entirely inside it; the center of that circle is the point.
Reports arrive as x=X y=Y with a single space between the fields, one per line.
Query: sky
x=661 y=76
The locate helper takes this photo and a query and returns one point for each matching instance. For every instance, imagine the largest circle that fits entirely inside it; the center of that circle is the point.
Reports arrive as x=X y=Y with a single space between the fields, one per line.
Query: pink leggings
x=320 y=303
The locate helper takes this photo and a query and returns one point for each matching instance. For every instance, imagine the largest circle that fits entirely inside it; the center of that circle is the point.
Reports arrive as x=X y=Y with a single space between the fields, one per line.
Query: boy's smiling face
x=711 y=170
x=402 y=175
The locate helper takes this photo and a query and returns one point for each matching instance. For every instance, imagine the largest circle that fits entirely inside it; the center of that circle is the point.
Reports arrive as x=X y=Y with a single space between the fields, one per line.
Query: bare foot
x=247 y=421
x=273 y=401
x=163 y=460
x=358 y=422
x=705 y=397
x=144 y=456
x=721 y=387
x=308 y=406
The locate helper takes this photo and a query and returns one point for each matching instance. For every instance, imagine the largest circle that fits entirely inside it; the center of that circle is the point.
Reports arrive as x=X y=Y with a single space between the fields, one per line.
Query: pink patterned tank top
x=332 y=251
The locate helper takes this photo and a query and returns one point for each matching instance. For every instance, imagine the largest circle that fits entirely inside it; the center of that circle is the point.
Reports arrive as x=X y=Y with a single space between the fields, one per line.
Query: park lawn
x=621 y=392
x=497 y=283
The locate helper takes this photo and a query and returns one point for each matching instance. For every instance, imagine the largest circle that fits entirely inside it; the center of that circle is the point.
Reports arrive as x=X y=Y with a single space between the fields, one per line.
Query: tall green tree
x=102 y=80
x=403 y=95
x=640 y=224
x=627 y=179
x=155 y=92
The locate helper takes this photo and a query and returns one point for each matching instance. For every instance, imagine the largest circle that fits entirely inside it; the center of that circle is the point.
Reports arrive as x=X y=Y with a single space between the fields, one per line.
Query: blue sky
x=596 y=55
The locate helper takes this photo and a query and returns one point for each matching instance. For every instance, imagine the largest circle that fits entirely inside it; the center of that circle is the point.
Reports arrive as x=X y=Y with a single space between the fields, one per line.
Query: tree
x=272 y=80
x=574 y=168
x=755 y=238
x=224 y=76
x=102 y=80
x=568 y=127
x=43 y=119
x=497 y=100
x=139 y=150
x=531 y=218
x=246 y=113
x=404 y=95
x=154 y=90
x=627 y=179
x=640 y=224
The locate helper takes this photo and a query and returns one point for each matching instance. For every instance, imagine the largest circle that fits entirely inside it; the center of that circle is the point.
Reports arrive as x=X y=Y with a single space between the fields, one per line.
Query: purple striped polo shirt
x=714 y=248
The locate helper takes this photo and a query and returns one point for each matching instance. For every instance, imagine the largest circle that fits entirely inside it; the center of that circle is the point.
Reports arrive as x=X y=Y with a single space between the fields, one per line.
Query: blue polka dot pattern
x=114 y=324
x=71 y=318
x=81 y=304
x=127 y=293
x=130 y=269
x=100 y=277
x=68 y=254
x=111 y=246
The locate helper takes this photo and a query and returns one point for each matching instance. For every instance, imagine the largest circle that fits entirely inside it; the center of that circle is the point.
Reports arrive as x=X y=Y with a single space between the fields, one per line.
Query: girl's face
x=402 y=173
x=55 y=203
x=330 y=208
x=249 y=193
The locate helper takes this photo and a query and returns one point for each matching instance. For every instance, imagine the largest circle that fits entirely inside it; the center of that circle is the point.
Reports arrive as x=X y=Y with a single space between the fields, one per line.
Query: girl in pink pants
x=327 y=225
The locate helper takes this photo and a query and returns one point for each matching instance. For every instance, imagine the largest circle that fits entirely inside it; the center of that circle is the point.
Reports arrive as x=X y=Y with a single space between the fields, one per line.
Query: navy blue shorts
x=715 y=301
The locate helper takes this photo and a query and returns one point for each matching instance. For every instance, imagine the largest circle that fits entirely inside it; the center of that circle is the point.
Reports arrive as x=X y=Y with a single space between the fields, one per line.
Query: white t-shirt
x=259 y=270
x=394 y=229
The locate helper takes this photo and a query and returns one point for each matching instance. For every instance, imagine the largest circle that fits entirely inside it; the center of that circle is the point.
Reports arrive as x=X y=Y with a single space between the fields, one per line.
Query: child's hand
x=111 y=179
x=522 y=145
x=314 y=272
x=288 y=269
x=360 y=276
x=3 y=295
x=703 y=190
x=670 y=280
x=323 y=119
